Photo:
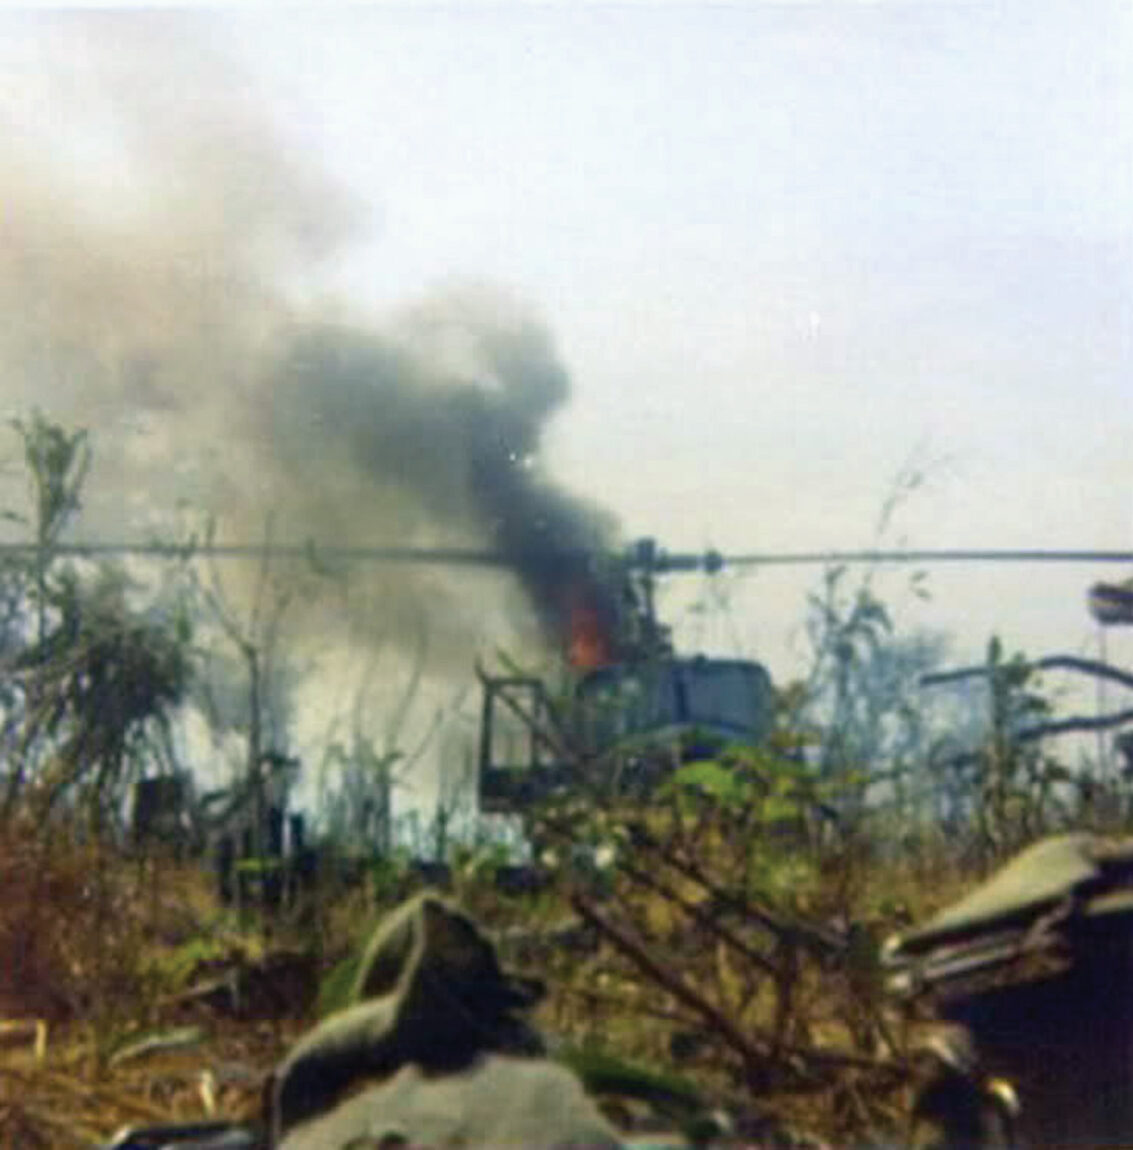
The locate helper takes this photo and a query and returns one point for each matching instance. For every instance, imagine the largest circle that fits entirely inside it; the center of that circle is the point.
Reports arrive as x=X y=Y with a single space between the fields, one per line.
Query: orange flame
x=589 y=645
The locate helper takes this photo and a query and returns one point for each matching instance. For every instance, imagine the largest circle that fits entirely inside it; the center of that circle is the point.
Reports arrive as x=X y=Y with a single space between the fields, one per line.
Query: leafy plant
x=94 y=679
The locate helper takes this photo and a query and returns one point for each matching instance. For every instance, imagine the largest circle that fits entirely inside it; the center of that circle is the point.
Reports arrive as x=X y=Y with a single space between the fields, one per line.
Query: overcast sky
x=784 y=250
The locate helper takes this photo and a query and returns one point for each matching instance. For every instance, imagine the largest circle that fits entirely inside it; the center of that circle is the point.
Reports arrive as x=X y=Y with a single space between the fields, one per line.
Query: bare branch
x=753 y=1054
x=1094 y=667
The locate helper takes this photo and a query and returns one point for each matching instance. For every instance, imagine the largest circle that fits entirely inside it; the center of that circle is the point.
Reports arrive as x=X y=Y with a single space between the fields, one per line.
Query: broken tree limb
x=755 y=1051
x=699 y=915
x=812 y=938
x=753 y=1055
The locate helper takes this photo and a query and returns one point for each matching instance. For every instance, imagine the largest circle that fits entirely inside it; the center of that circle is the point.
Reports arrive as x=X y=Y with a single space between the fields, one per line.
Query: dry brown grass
x=87 y=940
x=86 y=936
x=66 y=927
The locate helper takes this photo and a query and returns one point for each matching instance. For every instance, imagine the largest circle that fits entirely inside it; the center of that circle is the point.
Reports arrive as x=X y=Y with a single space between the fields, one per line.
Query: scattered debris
x=24 y=1029
x=1035 y=965
x=186 y=1036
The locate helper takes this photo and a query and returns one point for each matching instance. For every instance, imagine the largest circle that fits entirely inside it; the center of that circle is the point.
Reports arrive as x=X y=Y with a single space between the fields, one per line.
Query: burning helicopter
x=632 y=706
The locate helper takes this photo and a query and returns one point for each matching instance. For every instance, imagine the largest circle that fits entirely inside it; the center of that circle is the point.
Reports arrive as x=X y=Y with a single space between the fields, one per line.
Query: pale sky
x=783 y=249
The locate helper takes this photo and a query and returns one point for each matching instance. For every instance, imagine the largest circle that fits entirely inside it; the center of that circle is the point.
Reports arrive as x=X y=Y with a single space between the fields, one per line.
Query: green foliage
x=57 y=462
x=356 y=782
x=336 y=989
x=173 y=968
x=99 y=683
x=606 y=1075
x=258 y=867
x=387 y=876
x=94 y=677
x=861 y=715
x=712 y=779
x=764 y=786
x=1015 y=779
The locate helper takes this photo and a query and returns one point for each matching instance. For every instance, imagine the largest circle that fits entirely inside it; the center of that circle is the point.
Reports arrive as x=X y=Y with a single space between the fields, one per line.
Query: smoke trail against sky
x=157 y=246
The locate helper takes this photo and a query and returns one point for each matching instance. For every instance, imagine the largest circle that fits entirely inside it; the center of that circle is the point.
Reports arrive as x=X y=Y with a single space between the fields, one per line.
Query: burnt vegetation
x=711 y=942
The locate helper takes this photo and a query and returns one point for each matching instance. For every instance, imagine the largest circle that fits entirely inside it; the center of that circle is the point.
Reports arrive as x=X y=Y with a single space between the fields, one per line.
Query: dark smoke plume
x=460 y=448
x=149 y=294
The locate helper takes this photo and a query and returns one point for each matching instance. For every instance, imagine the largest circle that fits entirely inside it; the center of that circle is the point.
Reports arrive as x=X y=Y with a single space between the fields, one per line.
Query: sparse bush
x=74 y=935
